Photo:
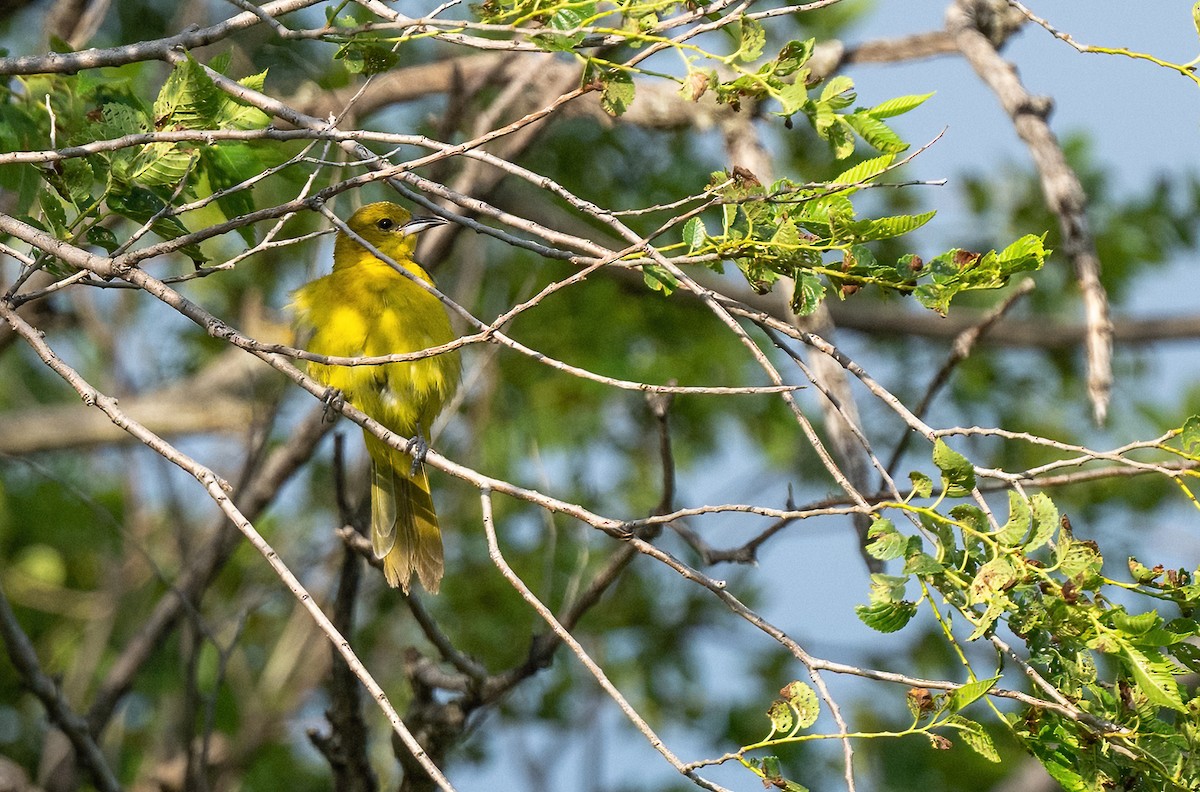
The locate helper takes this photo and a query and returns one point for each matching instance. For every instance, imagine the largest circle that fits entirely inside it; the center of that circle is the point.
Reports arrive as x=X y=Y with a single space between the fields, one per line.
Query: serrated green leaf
x=886 y=617
x=889 y=227
x=971 y=517
x=898 y=106
x=887 y=588
x=781 y=717
x=694 y=234
x=118 y=120
x=976 y=737
x=864 y=171
x=997 y=575
x=189 y=99
x=232 y=114
x=1189 y=435
x=1079 y=560
x=1045 y=521
x=1013 y=532
x=793 y=97
x=787 y=235
x=834 y=129
x=220 y=62
x=803 y=701
x=990 y=614
x=752 y=39
x=838 y=92
x=808 y=293
x=875 y=133
x=969 y=693
x=792 y=56
x=1137 y=625
x=957 y=471
x=1188 y=654
x=1024 y=249
x=923 y=564
x=922 y=484
x=161 y=165
x=616 y=92
x=1153 y=674
x=884 y=541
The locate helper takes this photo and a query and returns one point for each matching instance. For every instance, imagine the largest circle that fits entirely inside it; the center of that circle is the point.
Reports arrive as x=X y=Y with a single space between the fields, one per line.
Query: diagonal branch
x=1060 y=184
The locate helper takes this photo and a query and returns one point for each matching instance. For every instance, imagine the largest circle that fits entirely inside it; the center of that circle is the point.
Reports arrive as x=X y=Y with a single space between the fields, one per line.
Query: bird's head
x=391 y=229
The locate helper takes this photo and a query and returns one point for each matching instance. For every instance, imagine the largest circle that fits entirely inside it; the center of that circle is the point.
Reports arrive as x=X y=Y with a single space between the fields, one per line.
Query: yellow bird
x=366 y=307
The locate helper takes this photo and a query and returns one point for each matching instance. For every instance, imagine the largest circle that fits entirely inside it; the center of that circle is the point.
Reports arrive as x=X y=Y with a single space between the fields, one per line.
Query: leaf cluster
x=799 y=231
x=1118 y=666
x=139 y=183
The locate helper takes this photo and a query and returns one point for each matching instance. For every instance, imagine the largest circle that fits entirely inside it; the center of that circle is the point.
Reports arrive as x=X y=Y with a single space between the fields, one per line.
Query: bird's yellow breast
x=366 y=308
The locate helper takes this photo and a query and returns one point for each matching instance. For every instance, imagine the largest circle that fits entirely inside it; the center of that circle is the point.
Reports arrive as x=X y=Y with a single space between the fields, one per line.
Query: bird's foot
x=334 y=400
x=418 y=445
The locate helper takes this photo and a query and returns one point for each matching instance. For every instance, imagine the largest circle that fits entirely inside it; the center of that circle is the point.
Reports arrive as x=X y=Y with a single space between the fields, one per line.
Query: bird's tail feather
x=404 y=526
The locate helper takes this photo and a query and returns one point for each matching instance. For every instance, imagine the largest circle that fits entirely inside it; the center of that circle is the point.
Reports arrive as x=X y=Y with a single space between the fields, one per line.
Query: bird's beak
x=419 y=224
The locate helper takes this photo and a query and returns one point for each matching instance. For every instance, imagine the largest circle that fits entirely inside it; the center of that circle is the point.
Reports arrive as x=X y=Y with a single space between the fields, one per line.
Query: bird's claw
x=421 y=447
x=334 y=400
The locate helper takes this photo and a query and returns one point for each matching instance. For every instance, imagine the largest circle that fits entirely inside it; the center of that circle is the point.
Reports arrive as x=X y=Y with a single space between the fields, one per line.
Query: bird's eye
x=385 y=223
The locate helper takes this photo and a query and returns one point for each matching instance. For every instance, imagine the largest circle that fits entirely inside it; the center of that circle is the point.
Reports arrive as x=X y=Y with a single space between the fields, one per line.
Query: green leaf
x=997 y=575
x=781 y=717
x=792 y=56
x=140 y=205
x=1142 y=573
x=803 y=700
x=898 y=106
x=957 y=471
x=922 y=484
x=838 y=92
x=1079 y=561
x=833 y=128
x=1153 y=674
x=103 y=238
x=1017 y=255
x=863 y=171
x=886 y=617
x=616 y=92
x=888 y=227
x=367 y=57
x=161 y=165
x=233 y=114
x=793 y=97
x=1189 y=435
x=752 y=39
x=1045 y=521
x=976 y=737
x=1188 y=654
x=54 y=211
x=808 y=293
x=659 y=278
x=876 y=133
x=969 y=693
x=1013 y=532
x=189 y=99
x=885 y=542
x=694 y=234
x=887 y=588
x=923 y=564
